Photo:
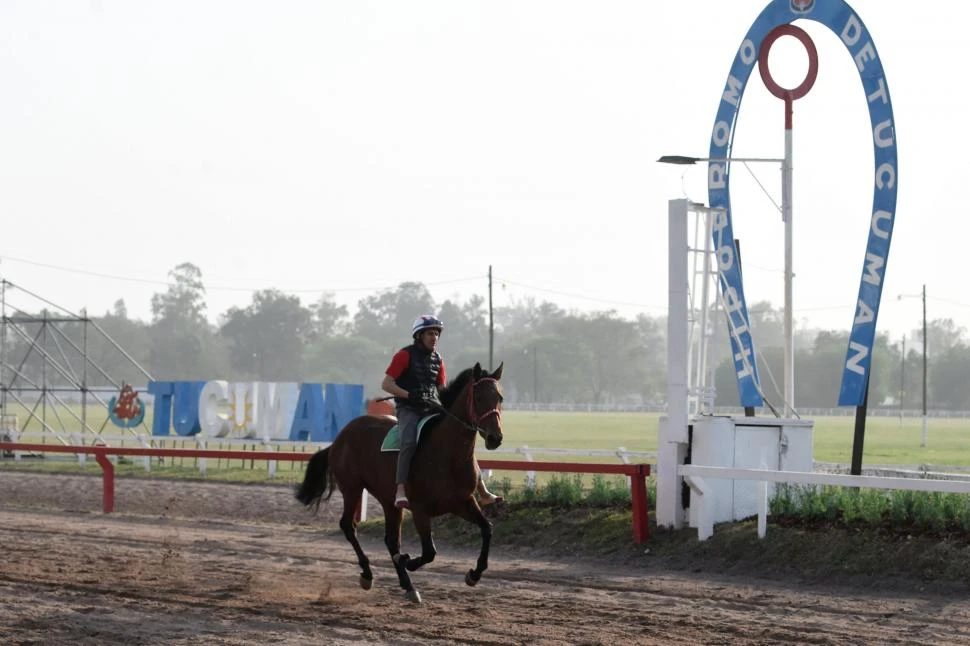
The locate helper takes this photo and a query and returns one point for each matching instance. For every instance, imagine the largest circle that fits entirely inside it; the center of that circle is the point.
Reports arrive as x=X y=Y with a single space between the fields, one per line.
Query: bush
x=922 y=511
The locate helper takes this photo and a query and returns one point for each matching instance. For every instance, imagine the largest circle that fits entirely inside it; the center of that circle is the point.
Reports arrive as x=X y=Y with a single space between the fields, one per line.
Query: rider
x=415 y=376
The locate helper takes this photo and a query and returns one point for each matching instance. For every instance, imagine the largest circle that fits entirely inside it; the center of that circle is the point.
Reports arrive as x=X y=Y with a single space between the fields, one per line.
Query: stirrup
x=401 y=502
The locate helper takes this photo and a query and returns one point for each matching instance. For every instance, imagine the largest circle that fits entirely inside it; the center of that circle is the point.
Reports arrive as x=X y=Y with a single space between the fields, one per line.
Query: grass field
x=887 y=440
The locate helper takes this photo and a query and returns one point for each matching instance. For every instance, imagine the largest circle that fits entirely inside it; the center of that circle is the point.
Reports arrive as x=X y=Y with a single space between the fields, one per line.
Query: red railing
x=636 y=472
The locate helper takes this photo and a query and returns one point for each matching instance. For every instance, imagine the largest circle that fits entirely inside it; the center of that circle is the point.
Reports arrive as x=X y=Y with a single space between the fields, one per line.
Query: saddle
x=392 y=441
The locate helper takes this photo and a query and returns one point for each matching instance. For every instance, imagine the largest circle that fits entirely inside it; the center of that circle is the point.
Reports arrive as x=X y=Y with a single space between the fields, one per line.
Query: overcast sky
x=349 y=146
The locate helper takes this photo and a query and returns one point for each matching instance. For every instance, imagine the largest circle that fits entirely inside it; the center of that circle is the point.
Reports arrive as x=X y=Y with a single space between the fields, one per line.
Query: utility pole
x=535 y=379
x=491 y=328
x=923 y=295
x=923 y=443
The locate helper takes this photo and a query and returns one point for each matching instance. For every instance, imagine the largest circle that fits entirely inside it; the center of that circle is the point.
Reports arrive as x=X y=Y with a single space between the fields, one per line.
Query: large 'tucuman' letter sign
x=841 y=19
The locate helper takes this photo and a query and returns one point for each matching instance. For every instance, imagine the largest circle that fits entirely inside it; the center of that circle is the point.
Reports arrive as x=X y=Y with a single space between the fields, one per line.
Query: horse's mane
x=450 y=392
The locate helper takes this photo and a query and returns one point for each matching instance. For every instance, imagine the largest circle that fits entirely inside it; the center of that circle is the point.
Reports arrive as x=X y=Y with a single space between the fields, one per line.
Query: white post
x=786 y=214
x=145 y=444
x=673 y=429
x=268 y=446
x=200 y=444
x=82 y=458
x=762 y=508
x=530 y=476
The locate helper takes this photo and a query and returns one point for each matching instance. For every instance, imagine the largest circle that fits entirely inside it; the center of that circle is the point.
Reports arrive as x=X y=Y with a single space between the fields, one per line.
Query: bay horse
x=443 y=477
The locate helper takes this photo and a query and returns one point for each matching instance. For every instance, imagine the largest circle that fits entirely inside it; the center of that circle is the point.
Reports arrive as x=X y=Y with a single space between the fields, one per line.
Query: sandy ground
x=203 y=563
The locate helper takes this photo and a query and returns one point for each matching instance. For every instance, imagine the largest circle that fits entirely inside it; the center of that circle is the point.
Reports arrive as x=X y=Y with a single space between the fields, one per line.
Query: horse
x=443 y=477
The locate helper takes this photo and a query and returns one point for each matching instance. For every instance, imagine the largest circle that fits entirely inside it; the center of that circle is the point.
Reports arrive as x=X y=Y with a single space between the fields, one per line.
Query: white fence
x=697 y=477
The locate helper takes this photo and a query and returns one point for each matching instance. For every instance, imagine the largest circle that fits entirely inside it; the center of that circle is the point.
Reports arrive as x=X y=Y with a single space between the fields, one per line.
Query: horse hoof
x=366 y=583
x=413 y=596
x=471 y=579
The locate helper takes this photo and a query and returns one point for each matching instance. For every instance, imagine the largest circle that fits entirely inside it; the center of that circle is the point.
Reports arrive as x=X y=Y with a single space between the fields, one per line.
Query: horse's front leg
x=392 y=538
x=471 y=512
x=422 y=523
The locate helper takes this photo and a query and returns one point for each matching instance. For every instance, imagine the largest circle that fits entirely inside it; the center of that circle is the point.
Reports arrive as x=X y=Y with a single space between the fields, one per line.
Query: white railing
x=696 y=478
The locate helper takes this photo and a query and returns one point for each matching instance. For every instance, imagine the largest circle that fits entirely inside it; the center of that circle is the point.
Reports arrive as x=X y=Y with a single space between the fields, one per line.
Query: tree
x=767 y=325
x=185 y=298
x=182 y=342
x=653 y=338
x=266 y=339
x=329 y=319
x=465 y=337
x=387 y=317
x=345 y=359
x=132 y=336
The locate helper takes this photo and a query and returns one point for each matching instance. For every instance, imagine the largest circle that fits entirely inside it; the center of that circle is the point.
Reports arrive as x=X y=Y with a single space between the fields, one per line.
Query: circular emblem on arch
x=803 y=88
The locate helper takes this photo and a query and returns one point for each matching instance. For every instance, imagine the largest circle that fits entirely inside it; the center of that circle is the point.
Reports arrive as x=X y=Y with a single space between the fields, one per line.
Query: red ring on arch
x=806 y=41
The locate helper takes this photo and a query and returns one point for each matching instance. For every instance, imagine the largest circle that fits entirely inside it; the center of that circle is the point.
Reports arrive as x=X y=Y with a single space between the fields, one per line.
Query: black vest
x=421 y=375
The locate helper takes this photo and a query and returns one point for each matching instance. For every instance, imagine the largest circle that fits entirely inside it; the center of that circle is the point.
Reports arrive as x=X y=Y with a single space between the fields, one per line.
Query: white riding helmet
x=425 y=322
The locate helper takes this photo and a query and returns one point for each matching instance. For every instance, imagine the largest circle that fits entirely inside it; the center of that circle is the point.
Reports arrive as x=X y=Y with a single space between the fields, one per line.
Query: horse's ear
x=477 y=371
x=498 y=372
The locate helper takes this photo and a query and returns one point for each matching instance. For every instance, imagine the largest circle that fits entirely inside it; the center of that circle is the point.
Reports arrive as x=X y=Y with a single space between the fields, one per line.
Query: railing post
x=107 y=480
x=268 y=446
x=81 y=457
x=638 y=494
x=146 y=444
x=530 y=476
x=762 y=508
x=201 y=444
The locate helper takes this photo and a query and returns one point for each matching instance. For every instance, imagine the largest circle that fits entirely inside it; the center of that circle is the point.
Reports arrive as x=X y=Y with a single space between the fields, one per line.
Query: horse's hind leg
x=348 y=523
x=392 y=538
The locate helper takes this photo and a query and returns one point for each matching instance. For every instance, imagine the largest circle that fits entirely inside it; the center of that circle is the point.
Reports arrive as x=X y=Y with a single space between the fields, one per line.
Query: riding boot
x=486 y=497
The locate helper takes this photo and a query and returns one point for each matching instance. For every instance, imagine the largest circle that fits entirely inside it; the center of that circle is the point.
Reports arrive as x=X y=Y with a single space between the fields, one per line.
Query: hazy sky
x=350 y=146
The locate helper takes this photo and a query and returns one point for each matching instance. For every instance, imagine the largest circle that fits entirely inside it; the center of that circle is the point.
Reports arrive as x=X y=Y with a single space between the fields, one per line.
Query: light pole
x=902 y=380
x=535 y=379
x=923 y=296
x=786 y=216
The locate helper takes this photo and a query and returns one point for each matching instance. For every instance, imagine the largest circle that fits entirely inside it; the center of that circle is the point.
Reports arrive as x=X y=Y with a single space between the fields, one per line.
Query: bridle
x=473 y=416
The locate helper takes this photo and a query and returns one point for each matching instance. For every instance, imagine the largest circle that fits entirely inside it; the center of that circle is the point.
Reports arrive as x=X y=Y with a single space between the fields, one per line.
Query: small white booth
x=747 y=443
x=690 y=433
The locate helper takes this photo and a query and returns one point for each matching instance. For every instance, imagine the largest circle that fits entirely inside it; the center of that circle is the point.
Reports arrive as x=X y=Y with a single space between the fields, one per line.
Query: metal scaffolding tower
x=48 y=379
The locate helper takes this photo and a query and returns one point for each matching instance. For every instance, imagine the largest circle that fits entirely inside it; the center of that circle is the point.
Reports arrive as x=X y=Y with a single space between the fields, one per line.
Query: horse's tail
x=318 y=482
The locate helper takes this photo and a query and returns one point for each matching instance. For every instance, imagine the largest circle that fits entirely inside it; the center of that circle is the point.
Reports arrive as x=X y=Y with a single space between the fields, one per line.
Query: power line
x=579 y=296
x=226 y=288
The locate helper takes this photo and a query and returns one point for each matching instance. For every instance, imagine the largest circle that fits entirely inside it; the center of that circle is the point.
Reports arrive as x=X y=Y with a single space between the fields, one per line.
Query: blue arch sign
x=838 y=16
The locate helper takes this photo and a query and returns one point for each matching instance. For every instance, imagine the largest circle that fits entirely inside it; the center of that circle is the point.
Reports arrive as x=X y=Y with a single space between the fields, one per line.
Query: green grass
x=887 y=441
x=633 y=431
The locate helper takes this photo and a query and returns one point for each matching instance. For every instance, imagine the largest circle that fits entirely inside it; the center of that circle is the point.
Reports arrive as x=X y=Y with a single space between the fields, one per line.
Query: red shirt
x=400 y=362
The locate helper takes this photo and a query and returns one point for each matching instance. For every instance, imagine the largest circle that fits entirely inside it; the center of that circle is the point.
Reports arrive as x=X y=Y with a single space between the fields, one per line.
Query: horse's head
x=485 y=405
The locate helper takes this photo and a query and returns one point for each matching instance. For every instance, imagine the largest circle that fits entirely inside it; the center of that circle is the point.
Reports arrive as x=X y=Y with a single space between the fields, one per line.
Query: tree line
x=551 y=355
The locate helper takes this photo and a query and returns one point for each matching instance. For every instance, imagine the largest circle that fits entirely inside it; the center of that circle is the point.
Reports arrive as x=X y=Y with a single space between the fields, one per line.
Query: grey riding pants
x=407 y=422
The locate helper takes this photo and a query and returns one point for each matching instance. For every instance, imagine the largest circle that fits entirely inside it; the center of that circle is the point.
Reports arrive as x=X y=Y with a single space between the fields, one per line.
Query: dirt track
x=170 y=567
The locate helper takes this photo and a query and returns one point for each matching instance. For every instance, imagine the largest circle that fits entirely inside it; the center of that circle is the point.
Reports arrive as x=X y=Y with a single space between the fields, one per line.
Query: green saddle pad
x=392 y=441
